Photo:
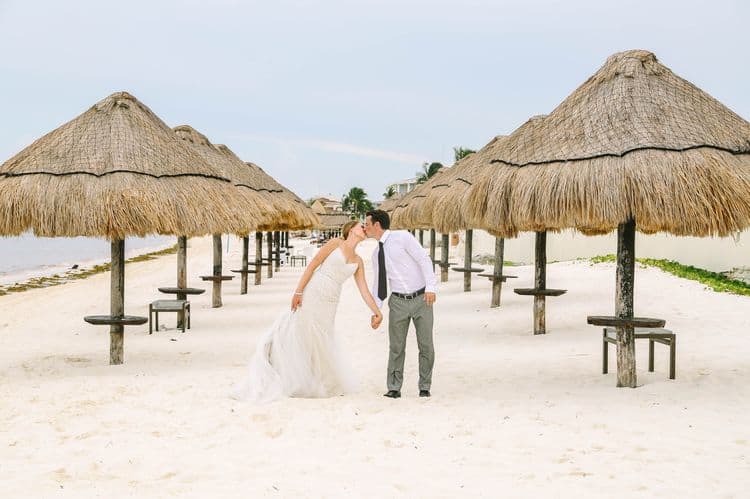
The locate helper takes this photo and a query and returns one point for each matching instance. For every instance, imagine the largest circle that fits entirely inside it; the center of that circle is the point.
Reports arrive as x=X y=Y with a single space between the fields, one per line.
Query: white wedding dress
x=299 y=355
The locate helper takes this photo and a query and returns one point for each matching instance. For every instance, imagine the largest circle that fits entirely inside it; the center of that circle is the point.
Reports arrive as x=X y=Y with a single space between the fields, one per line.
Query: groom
x=403 y=266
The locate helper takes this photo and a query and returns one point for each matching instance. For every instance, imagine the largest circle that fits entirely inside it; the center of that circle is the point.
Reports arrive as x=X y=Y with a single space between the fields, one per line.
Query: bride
x=299 y=355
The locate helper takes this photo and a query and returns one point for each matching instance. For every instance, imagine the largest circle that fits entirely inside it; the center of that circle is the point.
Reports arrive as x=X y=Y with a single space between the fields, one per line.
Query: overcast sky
x=328 y=95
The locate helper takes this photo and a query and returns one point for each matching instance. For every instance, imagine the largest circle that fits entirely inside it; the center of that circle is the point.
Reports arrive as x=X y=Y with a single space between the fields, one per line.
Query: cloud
x=336 y=147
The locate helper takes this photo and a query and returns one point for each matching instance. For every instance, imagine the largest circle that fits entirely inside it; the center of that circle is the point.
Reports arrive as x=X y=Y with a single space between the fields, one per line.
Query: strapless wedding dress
x=299 y=355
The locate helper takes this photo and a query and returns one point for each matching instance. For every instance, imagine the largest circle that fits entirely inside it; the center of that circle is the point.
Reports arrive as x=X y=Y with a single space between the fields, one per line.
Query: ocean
x=29 y=256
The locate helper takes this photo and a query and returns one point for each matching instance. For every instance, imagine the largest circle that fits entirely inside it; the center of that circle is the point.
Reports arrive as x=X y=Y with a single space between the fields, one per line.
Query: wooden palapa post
x=258 y=256
x=497 y=282
x=421 y=237
x=216 y=295
x=624 y=303
x=277 y=253
x=444 y=258
x=181 y=275
x=269 y=244
x=243 y=275
x=467 y=259
x=432 y=248
x=540 y=281
x=117 y=301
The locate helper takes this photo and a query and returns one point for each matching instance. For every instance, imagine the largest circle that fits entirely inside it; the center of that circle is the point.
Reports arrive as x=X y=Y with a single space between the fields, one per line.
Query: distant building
x=403 y=186
x=323 y=205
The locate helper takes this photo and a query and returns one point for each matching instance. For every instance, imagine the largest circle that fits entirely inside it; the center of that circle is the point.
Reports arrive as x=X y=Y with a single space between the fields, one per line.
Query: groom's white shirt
x=407 y=264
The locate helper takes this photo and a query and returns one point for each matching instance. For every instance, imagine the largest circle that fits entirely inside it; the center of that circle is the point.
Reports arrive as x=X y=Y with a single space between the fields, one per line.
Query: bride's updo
x=347 y=227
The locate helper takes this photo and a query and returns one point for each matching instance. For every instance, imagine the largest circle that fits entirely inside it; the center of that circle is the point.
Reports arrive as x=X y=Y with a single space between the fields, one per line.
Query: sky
x=328 y=95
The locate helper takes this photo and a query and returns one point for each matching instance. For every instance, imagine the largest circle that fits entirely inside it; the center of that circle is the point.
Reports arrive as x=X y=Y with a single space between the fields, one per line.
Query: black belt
x=409 y=296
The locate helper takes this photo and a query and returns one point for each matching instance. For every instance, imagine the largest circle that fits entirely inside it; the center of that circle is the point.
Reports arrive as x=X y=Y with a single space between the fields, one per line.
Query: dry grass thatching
x=116 y=170
x=445 y=203
x=333 y=221
x=297 y=215
x=407 y=214
x=389 y=204
x=634 y=140
x=256 y=203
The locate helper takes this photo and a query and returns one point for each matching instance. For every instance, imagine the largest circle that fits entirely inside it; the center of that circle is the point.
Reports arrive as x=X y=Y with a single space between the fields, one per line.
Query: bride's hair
x=347 y=227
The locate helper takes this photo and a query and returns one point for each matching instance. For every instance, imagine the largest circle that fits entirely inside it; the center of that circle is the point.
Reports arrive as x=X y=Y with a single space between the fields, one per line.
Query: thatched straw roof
x=297 y=215
x=333 y=221
x=256 y=206
x=408 y=213
x=634 y=140
x=445 y=202
x=389 y=204
x=116 y=170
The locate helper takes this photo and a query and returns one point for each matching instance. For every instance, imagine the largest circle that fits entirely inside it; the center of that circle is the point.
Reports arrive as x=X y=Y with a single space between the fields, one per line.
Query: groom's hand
x=375 y=321
x=429 y=298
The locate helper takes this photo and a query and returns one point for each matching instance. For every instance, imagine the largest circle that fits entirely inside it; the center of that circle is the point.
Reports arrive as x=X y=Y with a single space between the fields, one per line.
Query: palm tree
x=389 y=192
x=428 y=170
x=461 y=152
x=356 y=202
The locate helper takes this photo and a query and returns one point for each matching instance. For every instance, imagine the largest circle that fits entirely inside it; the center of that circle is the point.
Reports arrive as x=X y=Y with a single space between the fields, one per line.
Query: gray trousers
x=401 y=312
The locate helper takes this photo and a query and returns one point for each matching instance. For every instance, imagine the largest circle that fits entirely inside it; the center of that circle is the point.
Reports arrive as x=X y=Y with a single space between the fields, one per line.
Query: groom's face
x=370 y=229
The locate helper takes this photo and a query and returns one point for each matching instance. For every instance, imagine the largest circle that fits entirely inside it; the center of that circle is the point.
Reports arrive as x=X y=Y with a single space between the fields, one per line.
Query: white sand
x=512 y=415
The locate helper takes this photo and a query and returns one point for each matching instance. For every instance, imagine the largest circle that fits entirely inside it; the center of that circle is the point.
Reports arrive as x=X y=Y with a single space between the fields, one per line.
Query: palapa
x=256 y=205
x=116 y=170
x=626 y=143
x=635 y=146
x=408 y=213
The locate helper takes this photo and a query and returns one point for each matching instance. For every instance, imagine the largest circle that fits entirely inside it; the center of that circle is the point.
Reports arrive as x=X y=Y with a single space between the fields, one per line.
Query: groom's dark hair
x=381 y=217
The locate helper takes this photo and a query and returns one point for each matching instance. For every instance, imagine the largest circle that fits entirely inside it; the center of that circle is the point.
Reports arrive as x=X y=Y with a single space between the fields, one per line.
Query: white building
x=403 y=186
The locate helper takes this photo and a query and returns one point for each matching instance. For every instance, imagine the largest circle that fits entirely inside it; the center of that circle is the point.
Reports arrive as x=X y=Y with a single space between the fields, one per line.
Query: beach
x=511 y=414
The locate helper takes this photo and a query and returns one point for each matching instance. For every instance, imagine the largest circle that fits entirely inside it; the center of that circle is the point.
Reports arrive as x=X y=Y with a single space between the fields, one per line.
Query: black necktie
x=382 y=293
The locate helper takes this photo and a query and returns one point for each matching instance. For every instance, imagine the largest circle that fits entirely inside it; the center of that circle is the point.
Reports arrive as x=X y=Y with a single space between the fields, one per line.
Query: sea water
x=28 y=256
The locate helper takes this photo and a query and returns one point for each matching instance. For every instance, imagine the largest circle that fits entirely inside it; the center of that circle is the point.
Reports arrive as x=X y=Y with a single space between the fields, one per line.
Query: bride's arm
x=364 y=291
x=319 y=257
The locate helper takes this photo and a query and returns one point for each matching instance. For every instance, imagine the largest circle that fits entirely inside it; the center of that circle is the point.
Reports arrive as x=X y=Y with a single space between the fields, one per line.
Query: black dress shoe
x=424 y=393
x=394 y=394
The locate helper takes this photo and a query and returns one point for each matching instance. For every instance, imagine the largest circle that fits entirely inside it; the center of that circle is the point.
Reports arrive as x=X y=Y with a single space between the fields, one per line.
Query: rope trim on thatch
x=99 y=175
x=615 y=155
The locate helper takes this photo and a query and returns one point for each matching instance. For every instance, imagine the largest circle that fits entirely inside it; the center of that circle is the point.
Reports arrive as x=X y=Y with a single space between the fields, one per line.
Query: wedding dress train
x=299 y=355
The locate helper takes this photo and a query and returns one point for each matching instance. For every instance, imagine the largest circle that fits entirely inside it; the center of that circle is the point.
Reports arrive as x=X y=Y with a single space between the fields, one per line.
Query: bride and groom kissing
x=299 y=355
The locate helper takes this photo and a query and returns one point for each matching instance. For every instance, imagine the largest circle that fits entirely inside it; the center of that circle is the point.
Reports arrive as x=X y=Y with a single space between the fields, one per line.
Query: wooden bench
x=179 y=306
x=653 y=335
x=298 y=258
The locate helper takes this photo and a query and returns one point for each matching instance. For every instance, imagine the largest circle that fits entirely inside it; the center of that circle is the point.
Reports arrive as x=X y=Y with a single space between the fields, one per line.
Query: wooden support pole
x=421 y=238
x=540 y=281
x=277 y=254
x=258 y=256
x=181 y=275
x=243 y=275
x=269 y=246
x=432 y=248
x=497 y=284
x=626 y=376
x=216 y=295
x=444 y=258
x=117 y=302
x=467 y=259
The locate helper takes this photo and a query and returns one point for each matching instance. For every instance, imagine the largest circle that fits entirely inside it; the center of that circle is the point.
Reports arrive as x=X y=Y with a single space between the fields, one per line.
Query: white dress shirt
x=407 y=264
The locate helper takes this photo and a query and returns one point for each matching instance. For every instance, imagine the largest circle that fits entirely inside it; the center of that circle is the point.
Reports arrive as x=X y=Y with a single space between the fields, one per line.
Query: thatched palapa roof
x=445 y=202
x=635 y=140
x=256 y=205
x=299 y=215
x=333 y=221
x=116 y=170
x=408 y=213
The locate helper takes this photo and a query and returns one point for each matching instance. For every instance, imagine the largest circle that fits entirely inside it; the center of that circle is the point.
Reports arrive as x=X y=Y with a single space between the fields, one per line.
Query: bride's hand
x=375 y=320
x=296 y=302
